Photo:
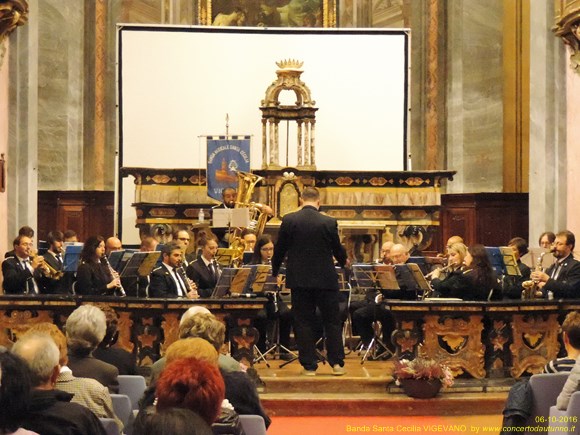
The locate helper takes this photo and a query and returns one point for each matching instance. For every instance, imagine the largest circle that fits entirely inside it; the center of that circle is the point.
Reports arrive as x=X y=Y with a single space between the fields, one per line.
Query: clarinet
x=114 y=275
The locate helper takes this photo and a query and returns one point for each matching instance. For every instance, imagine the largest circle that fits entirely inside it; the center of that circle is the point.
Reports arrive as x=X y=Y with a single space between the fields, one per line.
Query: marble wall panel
x=474 y=110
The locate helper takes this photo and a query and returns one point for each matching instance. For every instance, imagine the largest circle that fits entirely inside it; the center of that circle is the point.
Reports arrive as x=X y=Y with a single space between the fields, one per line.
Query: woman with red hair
x=192 y=384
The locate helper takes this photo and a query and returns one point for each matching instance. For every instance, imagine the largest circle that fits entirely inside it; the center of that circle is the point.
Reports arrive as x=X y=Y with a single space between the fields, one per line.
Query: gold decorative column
x=567 y=17
x=99 y=144
x=13 y=13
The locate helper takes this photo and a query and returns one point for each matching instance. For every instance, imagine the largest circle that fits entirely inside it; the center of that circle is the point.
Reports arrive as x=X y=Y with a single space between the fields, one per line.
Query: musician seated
x=276 y=308
x=249 y=238
x=53 y=281
x=169 y=279
x=474 y=282
x=512 y=286
x=23 y=231
x=205 y=271
x=21 y=273
x=112 y=244
x=94 y=277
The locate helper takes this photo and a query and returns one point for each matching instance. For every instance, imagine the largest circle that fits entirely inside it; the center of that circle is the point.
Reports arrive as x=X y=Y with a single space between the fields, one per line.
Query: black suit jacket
x=16 y=276
x=567 y=285
x=200 y=274
x=161 y=284
x=310 y=240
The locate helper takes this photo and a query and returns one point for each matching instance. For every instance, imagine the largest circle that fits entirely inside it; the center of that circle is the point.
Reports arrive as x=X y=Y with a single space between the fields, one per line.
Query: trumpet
x=52 y=272
x=115 y=275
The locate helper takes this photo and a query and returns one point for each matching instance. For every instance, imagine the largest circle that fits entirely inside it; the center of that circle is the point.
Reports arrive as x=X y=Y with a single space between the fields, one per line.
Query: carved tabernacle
x=567 y=17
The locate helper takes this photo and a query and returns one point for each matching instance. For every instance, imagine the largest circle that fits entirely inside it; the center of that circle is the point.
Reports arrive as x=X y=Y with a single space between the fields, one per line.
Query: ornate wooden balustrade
x=481 y=339
x=146 y=326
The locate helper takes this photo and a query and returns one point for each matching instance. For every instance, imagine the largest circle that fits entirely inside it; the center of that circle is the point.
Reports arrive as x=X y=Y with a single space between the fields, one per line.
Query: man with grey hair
x=51 y=411
x=85 y=329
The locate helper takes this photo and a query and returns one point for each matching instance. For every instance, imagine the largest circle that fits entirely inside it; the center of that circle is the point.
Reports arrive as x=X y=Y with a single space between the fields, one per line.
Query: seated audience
x=93 y=276
x=205 y=271
x=571 y=338
x=87 y=392
x=562 y=279
x=512 y=285
x=22 y=274
x=520 y=400
x=168 y=280
x=107 y=352
x=85 y=330
x=51 y=411
x=193 y=349
x=15 y=394
x=173 y=421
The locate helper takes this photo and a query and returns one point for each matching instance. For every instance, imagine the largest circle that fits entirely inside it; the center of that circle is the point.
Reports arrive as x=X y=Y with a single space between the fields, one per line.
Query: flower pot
x=421 y=388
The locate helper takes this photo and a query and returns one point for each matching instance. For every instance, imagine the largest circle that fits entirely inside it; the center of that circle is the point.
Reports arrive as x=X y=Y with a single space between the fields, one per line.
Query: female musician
x=94 y=277
x=276 y=307
x=474 y=282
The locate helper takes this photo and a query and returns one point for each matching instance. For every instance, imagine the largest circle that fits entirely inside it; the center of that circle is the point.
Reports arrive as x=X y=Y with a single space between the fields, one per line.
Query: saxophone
x=531 y=289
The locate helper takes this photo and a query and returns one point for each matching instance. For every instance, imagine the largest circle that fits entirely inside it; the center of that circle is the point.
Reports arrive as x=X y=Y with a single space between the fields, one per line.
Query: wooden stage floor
x=367 y=390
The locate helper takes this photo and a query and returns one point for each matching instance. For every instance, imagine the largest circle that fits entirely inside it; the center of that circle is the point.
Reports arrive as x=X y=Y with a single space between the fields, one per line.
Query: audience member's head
x=57 y=336
x=546 y=239
x=193 y=384
x=571 y=331
x=193 y=347
x=85 y=329
x=204 y=326
x=193 y=311
x=42 y=356
x=15 y=390
x=172 y=421
x=112 y=332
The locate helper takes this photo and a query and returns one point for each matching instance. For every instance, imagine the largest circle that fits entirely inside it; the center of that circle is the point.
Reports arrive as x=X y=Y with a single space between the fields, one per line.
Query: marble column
x=548 y=160
x=4 y=142
x=573 y=149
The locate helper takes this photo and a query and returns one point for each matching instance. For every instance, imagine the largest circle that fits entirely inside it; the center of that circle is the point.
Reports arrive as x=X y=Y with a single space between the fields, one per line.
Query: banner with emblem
x=225 y=156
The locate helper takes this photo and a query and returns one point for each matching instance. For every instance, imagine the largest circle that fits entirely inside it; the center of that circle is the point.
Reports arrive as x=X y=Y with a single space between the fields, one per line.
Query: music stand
x=225 y=256
x=232 y=280
x=72 y=256
x=503 y=260
x=115 y=258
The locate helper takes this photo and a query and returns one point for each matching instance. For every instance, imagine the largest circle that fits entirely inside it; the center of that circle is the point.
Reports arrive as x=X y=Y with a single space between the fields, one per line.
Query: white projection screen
x=176 y=85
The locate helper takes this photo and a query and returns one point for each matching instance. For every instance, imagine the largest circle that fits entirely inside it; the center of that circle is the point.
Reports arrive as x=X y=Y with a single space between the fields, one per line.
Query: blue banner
x=224 y=158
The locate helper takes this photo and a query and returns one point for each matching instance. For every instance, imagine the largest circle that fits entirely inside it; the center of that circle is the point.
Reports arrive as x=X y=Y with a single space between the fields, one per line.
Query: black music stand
x=139 y=265
x=232 y=281
x=384 y=278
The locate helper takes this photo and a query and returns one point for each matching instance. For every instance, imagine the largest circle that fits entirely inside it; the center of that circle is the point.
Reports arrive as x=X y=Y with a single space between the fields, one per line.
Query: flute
x=115 y=275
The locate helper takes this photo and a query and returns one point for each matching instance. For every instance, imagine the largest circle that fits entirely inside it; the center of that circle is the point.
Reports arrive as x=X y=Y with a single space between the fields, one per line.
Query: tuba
x=246 y=184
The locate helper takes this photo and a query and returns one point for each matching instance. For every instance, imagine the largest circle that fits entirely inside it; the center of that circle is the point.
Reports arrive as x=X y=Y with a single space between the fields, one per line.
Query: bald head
x=112 y=244
x=399 y=254
x=42 y=356
x=386 y=252
x=454 y=239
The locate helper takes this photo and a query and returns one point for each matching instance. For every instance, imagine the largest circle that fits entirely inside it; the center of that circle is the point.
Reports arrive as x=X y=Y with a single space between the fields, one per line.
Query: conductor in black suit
x=169 y=280
x=563 y=277
x=310 y=240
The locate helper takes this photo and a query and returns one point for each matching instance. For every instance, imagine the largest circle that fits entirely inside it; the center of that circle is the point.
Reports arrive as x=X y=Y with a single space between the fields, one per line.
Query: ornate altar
x=146 y=326
x=371 y=207
x=481 y=339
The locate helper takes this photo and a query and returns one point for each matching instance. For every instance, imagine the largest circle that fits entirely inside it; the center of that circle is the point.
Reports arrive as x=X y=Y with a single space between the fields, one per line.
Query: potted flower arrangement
x=422 y=378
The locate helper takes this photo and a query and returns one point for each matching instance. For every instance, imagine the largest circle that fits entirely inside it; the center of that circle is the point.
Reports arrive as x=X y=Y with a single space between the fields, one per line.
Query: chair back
x=133 y=386
x=253 y=424
x=110 y=426
x=566 y=421
x=545 y=390
x=122 y=408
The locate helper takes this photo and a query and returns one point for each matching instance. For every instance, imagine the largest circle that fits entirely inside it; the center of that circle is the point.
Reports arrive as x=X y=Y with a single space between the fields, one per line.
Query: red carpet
x=424 y=425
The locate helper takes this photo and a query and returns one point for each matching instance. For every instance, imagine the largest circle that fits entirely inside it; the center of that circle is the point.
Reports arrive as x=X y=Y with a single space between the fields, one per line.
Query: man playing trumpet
x=22 y=272
x=52 y=278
